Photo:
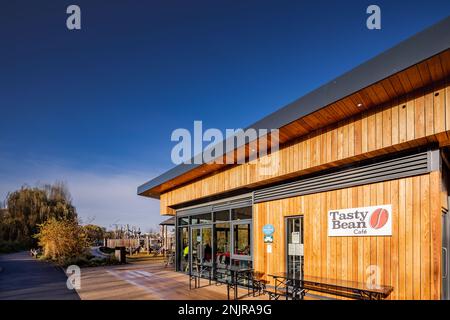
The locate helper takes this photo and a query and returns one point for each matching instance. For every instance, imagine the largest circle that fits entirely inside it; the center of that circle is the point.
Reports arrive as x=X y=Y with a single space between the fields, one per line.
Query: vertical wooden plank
x=425 y=243
x=323 y=233
x=402 y=121
x=345 y=142
x=355 y=245
x=402 y=240
x=379 y=129
x=387 y=126
x=371 y=131
x=419 y=114
x=380 y=240
x=344 y=240
x=373 y=240
x=361 y=270
x=395 y=123
x=367 y=242
x=439 y=110
x=339 y=240
x=387 y=240
x=409 y=239
x=358 y=136
x=395 y=238
x=351 y=139
x=429 y=114
x=410 y=119
x=416 y=238
x=350 y=239
x=435 y=181
x=333 y=240
x=330 y=260
x=329 y=146
x=364 y=133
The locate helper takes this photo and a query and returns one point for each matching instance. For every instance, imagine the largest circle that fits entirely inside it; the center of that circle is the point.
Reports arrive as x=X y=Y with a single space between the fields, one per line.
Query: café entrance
x=294 y=248
x=214 y=240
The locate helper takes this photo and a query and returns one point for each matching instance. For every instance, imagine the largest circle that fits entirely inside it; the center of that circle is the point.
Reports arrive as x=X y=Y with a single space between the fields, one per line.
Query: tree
x=94 y=233
x=29 y=207
x=63 y=241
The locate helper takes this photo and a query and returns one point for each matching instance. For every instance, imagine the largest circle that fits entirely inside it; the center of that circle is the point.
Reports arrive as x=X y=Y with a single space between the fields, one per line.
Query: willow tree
x=28 y=207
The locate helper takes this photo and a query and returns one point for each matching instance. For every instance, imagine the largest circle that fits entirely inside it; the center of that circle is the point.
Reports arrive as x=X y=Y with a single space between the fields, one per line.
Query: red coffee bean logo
x=379 y=218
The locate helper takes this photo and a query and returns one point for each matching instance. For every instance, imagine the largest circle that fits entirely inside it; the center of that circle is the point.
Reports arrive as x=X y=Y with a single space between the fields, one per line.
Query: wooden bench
x=296 y=286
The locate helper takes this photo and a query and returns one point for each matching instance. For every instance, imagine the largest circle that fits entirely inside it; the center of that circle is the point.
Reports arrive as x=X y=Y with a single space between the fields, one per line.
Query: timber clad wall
x=420 y=118
x=409 y=260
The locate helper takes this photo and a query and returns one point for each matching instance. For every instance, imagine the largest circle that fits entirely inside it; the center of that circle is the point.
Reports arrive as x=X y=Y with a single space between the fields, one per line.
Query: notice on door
x=360 y=222
x=295 y=249
x=295 y=237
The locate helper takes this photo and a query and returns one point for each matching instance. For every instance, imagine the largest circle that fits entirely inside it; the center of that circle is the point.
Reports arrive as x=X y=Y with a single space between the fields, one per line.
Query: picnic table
x=295 y=285
x=235 y=274
x=199 y=270
x=232 y=276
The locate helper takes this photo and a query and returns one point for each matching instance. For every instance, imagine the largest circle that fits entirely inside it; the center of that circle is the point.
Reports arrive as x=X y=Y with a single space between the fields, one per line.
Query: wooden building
x=375 y=136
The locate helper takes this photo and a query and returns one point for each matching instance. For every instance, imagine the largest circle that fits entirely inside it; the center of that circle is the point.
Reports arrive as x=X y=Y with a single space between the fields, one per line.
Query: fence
x=128 y=243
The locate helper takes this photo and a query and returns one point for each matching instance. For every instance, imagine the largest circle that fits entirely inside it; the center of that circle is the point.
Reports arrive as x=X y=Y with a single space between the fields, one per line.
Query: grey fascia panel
x=199 y=210
x=225 y=205
x=415 y=49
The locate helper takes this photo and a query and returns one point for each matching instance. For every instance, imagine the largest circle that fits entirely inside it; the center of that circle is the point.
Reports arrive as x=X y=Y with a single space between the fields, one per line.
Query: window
x=222 y=215
x=222 y=245
x=201 y=218
x=241 y=239
x=241 y=213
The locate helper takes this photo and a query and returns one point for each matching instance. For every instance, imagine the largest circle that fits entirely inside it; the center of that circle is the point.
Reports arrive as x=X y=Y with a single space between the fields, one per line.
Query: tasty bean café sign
x=365 y=221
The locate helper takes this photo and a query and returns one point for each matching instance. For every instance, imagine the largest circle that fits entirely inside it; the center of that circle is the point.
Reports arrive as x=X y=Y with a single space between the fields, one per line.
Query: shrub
x=62 y=241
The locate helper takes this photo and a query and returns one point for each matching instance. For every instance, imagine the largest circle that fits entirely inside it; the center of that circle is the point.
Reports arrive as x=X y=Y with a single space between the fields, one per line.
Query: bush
x=63 y=241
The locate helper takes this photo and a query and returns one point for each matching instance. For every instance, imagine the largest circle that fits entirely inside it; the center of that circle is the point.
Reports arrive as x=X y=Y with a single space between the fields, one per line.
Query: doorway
x=294 y=247
x=201 y=239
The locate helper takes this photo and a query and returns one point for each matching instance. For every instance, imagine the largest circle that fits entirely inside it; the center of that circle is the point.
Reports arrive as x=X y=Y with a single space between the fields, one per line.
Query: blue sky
x=96 y=107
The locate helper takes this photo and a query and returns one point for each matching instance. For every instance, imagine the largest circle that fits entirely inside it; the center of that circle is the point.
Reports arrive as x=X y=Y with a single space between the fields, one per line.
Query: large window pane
x=201 y=218
x=222 y=245
x=183 y=251
x=222 y=215
x=241 y=213
x=241 y=234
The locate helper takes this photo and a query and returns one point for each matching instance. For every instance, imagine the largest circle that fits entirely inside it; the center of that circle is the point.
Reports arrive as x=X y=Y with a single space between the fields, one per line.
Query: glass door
x=201 y=243
x=294 y=237
x=222 y=242
x=183 y=251
x=241 y=243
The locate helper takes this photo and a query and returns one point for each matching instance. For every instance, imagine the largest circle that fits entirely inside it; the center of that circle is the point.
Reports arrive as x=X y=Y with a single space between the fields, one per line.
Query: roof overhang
x=412 y=64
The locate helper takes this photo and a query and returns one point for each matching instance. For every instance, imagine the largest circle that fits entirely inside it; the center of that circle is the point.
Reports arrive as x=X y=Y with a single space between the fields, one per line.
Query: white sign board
x=295 y=249
x=360 y=222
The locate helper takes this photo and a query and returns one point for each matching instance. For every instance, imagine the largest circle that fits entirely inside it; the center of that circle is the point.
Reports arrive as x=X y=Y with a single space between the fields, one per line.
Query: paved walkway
x=146 y=281
x=25 y=278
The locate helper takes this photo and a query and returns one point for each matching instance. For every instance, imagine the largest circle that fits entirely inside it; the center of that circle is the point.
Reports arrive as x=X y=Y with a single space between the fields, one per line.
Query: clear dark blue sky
x=96 y=107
